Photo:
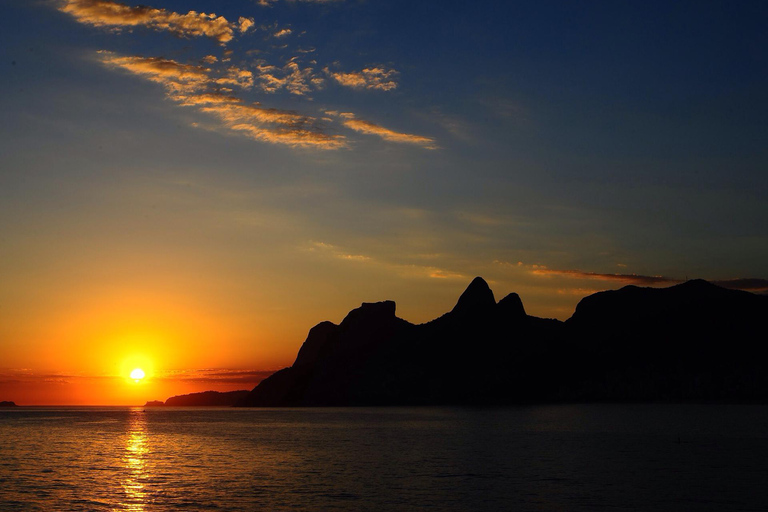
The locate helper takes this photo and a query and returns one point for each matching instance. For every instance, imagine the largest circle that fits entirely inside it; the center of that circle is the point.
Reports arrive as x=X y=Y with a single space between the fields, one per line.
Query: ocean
x=544 y=458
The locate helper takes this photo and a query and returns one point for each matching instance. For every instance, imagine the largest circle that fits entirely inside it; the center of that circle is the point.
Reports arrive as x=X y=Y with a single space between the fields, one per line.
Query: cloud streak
x=215 y=376
x=635 y=279
x=195 y=86
x=374 y=78
x=369 y=128
x=407 y=270
x=745 y=284
x=103 y=13
x=750 y=284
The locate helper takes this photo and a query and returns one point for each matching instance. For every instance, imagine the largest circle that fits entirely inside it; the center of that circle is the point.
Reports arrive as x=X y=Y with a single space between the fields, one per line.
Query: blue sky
x=276 y=164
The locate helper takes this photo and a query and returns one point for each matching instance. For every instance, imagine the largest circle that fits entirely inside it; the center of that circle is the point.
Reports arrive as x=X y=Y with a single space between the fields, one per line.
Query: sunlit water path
x=607 y=457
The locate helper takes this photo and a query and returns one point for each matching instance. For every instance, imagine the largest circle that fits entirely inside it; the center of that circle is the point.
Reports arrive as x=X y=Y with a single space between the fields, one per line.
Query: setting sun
x=137 y=374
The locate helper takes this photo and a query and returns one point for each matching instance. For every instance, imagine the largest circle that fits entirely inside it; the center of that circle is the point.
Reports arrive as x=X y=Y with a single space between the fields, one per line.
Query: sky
x=189 y=186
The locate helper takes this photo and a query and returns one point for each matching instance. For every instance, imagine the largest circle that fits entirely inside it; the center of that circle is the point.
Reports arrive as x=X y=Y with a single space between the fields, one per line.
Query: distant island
x=7 y=403
x=691 y=342
x=204 y=399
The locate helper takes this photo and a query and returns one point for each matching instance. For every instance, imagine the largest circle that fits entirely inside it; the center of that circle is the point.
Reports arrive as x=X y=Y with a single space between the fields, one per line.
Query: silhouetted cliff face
x=694 y=340
x=7 y=403
x=691 y=341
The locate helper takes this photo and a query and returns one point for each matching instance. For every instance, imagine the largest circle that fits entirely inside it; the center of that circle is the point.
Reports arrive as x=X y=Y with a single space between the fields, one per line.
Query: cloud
x=215 y=376
x=370 y=128
x=213 y=98
x=635 y=279
x=209 y=82
x=207 y=375
x=437 y=273
x=245 y=24
x=293 y=130
x=236 y=77
x=336 y=253
x=376 y=78
x=194 y=86
x=291 y=77
x=747 y=284
x=407 y=270
x=104 y=13
x=292 y=137
x=176 y=77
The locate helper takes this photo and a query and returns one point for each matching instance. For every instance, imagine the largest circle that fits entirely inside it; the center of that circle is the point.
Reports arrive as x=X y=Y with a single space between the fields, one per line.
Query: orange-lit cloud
x=292 y=137
x=215 y=375
x=195 y=86
x=367 y=127
x=294 y=130
x=291 y=77
x=376 y=78
x=176 y=77
x=245 y=24
x=209 y=84
x=236 y=77
x=437 y=273
x=406 y=270
x=104 y=13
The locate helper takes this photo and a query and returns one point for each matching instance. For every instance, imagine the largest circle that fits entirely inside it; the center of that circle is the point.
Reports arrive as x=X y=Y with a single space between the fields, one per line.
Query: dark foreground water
x=561 y=458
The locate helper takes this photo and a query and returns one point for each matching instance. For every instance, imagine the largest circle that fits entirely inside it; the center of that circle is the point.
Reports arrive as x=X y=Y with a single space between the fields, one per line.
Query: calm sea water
x=560 y=458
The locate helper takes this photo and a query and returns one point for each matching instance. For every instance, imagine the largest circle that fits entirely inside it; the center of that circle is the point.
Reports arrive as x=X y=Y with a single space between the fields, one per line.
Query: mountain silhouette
x=203 y=399
x=693 y=341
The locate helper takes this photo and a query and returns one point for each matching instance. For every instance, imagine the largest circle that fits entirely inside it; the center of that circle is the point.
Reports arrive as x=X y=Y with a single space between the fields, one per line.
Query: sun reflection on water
x=135 y=461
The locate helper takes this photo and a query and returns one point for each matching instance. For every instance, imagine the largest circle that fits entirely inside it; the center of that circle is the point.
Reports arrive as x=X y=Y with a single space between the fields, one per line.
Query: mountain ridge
x=202 y=399
x=627 y=345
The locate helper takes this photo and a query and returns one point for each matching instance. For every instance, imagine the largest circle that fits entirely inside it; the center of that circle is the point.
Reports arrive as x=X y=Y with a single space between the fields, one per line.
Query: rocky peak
x=477 y=298
x=511 y=306
x=316 y=339
x=371 y=312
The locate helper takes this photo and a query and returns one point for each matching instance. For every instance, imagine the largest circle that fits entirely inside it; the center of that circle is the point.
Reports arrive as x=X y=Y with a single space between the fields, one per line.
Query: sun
x=137 y=374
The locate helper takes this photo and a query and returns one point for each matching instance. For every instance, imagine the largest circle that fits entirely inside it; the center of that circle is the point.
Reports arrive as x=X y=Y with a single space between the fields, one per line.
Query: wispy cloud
x=206 y=375
x=750 y=284
x=216 y=84
x=215 y=376
x=245 y=24
x=292 y=77
x=408 y=270
x=195 y=86
x=293 y=129
x=177 y=78
x=376 y=78
x=635 y=279
x=283 y=32
x=367 y=127
x=746 y=284
x=103 y=13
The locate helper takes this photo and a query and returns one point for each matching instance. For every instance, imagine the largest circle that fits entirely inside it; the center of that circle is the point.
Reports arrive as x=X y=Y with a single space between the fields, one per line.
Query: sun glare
x=137 y=374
